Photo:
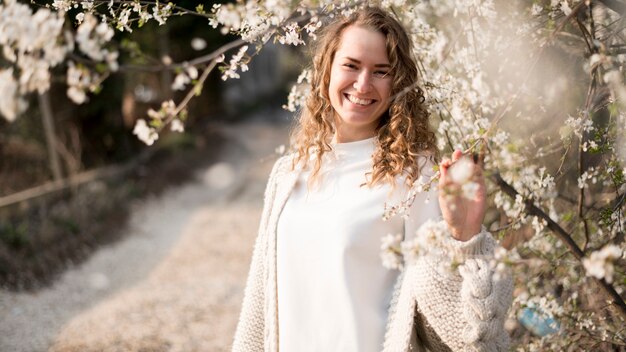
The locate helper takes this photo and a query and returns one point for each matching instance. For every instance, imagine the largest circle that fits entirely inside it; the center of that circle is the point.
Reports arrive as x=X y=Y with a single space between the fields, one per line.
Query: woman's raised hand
x=462 y=196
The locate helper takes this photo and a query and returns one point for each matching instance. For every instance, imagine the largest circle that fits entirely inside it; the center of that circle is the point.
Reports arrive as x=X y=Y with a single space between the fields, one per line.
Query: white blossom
x=565 y=8
x=123 y=19
x=430 y=240
x=600 y=263
x=198 y=44
x=299 y=92
x=10 y=104
x=235 y=62
x=469 y=190
x=177 y=126
x=62 y=5
x=192 y=72
x=180 y=81
x=291 y=36
x=33 y=42
x=280 y=150
x=144 y=132
x=391 y=254
x=161 y=13
x=461 y=171
x=80 y=80
x=91 y=38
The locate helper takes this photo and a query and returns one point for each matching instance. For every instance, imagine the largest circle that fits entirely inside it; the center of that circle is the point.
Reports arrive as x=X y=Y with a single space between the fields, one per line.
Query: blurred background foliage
x=99 y=132
x=41 y=236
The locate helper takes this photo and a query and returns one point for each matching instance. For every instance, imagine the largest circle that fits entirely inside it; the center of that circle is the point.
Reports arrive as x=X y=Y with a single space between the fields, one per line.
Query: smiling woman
x=316 y=280
x=360 y=84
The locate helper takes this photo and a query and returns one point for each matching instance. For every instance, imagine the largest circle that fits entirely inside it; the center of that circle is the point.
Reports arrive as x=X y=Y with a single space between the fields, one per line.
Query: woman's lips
x=359 y=101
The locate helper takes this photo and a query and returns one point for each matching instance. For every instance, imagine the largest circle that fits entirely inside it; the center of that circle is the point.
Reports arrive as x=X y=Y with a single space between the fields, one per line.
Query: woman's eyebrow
x=359 y=62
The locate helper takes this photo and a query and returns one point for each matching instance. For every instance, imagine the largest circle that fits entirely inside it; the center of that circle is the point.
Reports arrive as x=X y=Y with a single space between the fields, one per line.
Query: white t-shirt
x=333 y=291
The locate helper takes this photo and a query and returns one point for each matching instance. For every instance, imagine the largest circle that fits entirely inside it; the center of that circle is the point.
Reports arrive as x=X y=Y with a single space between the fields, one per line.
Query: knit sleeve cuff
x=482 y=244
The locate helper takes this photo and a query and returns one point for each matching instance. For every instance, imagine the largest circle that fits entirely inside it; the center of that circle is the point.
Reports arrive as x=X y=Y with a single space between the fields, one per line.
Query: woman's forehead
x=364 y=45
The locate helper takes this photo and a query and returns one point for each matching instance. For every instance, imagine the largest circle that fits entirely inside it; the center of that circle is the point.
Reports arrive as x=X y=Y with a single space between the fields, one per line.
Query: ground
x=175 y=280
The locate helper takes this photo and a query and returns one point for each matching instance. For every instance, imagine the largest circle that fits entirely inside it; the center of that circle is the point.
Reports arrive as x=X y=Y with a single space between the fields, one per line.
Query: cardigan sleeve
x=250 y=332
x=450 y=298
x=461 y=304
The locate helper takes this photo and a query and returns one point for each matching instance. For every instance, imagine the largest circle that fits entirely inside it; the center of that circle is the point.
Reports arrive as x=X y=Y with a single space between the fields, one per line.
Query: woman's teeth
x=359 y=101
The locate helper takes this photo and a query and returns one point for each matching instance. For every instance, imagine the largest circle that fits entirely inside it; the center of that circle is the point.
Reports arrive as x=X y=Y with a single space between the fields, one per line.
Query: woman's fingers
x=443 y=170
x=456 y=155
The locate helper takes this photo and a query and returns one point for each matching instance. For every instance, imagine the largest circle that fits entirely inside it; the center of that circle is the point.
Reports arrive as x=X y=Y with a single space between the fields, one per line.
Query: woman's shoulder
x=284 y=164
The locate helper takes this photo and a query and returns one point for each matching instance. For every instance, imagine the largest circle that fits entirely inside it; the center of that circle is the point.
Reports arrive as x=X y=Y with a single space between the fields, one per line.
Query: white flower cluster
x=237 y=61
x=576 y=126
x=461 y=173
x=600 y=264
x=92 y=36
x=168 y=108
x=391 y=251
x=145 y=133
x=251 y=20
x=299 y=92
x=590 y=174
x=291 y=36
x=10 y=103
x=312 y=27
x=430 y=240
x=423 y=184
x=512 y=208
x=161 y=13
x=185 y=77
x=177 y=126
x=33 y=43
x=533 y=182
x=502 y=260
x=62 y=5
x=258 y=21
x=79 y=81
x=536 y=10
x=167 y=114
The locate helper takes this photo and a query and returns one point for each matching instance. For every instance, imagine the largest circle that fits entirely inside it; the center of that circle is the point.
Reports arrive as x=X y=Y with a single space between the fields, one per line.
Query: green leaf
x=613 y=109
x=102 y=67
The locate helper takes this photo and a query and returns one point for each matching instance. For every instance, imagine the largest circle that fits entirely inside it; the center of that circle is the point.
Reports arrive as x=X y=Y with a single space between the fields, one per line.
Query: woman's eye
x=381 y=73
x=352 y=66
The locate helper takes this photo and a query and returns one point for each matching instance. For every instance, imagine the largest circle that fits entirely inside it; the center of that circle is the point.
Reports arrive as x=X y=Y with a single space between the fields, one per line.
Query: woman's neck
x=355 y=137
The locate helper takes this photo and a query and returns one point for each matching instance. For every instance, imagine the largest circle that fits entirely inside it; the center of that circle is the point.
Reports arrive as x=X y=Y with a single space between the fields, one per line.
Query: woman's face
x=360 y=83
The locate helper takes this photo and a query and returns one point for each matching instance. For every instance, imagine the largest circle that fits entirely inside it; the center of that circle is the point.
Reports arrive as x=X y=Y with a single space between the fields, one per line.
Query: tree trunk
x=48 y=126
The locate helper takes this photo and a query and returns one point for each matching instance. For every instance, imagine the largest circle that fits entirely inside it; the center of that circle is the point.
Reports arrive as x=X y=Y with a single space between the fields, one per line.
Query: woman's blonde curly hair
x=403 y=131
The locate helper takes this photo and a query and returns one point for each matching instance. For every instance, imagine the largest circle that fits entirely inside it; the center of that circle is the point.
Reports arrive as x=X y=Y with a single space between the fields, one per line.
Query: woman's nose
x=363 y=82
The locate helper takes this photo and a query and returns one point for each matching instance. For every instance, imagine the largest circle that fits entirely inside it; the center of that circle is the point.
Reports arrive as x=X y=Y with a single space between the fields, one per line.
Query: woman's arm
x=449 y=291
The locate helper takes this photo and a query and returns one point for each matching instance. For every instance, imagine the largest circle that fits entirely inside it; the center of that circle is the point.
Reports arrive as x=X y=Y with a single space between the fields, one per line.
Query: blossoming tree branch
x=535 y=87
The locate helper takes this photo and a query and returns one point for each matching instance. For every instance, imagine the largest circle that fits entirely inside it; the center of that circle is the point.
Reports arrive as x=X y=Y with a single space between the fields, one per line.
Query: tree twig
x=566 y=238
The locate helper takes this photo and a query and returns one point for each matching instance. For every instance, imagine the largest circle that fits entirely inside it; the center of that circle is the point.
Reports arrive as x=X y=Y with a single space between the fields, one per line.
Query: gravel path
x=175 y=282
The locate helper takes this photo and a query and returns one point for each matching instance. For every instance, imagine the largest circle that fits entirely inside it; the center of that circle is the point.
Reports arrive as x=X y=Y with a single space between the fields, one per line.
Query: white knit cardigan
x=431 y=309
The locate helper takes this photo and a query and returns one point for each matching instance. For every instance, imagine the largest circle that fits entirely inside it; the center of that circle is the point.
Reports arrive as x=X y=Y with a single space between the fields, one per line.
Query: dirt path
x=174 y=283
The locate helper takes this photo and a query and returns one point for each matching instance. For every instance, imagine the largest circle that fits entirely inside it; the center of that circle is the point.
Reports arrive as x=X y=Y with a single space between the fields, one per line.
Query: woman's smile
x=361 y=102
